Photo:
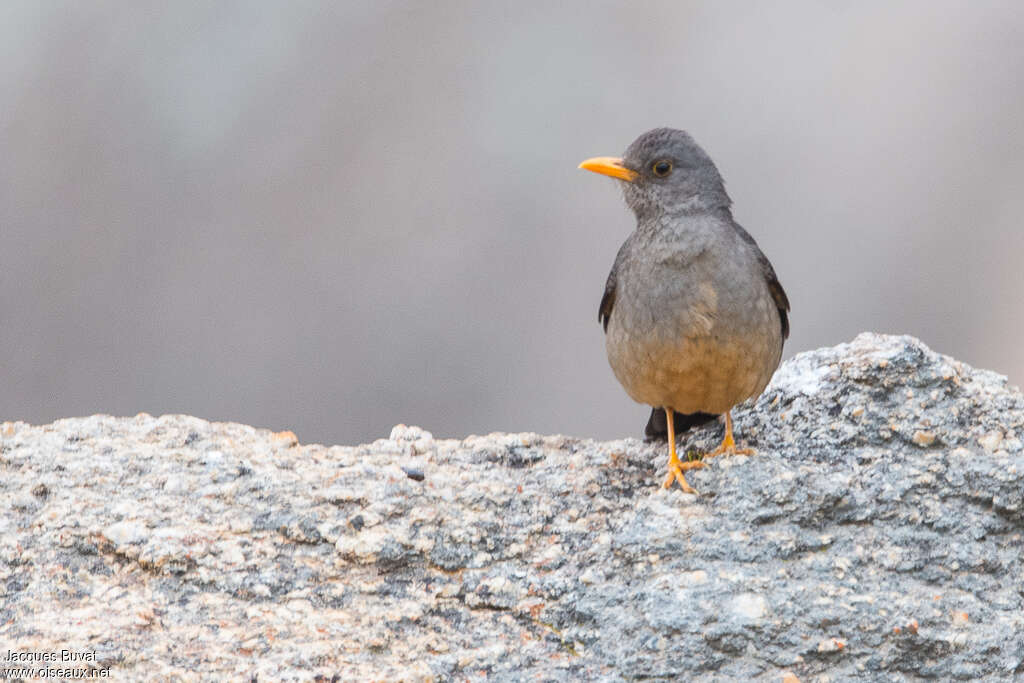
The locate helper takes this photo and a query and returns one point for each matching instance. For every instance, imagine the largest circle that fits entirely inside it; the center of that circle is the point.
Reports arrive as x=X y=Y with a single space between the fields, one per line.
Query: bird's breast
x=694 y=337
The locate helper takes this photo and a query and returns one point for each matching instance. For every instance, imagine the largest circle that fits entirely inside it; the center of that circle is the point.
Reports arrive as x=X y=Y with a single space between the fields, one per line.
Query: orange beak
x=609 y=166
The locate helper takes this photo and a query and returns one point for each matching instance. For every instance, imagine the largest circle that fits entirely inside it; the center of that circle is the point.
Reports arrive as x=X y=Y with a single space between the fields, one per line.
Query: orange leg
x=728 y=446
x=676 y=467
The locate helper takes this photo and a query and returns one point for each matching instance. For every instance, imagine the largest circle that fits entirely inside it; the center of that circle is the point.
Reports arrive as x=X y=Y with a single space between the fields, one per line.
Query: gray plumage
x=694 y=314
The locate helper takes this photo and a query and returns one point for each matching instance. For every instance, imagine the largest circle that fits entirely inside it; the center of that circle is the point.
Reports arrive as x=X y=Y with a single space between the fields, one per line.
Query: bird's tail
x=657 y=427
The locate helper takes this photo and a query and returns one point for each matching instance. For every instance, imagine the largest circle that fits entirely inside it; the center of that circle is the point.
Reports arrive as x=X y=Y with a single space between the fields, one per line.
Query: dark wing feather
x=774 y=286
x=778 y=294
x=604 y=311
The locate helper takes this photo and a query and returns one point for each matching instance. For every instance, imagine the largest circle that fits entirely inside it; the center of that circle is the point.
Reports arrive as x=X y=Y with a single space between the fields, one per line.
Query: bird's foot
x=729 y=447
x=675 y=474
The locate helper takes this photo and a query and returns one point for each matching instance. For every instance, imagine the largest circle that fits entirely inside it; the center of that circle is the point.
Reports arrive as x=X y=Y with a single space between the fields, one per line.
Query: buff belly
x=699 y=363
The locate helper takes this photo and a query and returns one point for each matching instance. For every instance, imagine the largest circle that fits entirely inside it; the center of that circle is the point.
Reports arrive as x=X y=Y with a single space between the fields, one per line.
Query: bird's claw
x=730 y=449
x=728 y=446
x=675 y=474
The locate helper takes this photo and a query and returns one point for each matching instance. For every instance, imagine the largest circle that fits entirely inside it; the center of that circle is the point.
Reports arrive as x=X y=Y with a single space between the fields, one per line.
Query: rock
x=125 y=533
x=877 y=534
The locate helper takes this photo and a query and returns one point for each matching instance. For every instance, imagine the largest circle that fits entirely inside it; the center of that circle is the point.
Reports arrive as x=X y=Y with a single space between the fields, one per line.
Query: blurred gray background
x=333 y=217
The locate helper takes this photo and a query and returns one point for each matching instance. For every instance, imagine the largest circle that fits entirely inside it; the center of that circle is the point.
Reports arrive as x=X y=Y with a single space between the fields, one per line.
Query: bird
x=694 y=315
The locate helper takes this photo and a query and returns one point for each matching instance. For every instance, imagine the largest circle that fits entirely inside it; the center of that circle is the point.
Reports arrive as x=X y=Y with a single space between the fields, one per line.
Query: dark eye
x=661 y=168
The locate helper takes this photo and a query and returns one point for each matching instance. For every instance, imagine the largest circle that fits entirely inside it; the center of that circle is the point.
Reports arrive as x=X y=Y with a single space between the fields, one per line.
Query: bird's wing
x=777 y=292
x=772 y=280
x=604 y=312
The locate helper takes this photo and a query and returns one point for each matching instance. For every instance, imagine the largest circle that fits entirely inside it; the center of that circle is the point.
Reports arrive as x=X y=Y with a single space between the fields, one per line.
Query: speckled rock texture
x=876 y=535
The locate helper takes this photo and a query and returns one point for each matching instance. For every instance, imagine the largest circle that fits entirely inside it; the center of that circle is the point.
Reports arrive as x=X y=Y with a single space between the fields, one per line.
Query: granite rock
x=876 y=535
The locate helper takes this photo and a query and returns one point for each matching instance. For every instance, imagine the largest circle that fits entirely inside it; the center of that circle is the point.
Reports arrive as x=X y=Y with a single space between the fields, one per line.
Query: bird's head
x=664 y=172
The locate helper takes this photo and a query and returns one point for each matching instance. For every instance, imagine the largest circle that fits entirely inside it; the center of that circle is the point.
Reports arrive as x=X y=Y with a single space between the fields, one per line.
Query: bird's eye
x=661 y=168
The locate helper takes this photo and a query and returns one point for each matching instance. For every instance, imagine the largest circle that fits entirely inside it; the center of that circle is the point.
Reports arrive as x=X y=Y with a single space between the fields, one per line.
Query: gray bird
x=694 y=315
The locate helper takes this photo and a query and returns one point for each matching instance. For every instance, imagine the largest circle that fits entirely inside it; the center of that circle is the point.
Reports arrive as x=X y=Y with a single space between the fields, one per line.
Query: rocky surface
x=877 y=535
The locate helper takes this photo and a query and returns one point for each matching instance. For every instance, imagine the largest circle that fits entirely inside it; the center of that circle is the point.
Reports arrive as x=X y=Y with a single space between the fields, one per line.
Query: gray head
x=664 y=172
